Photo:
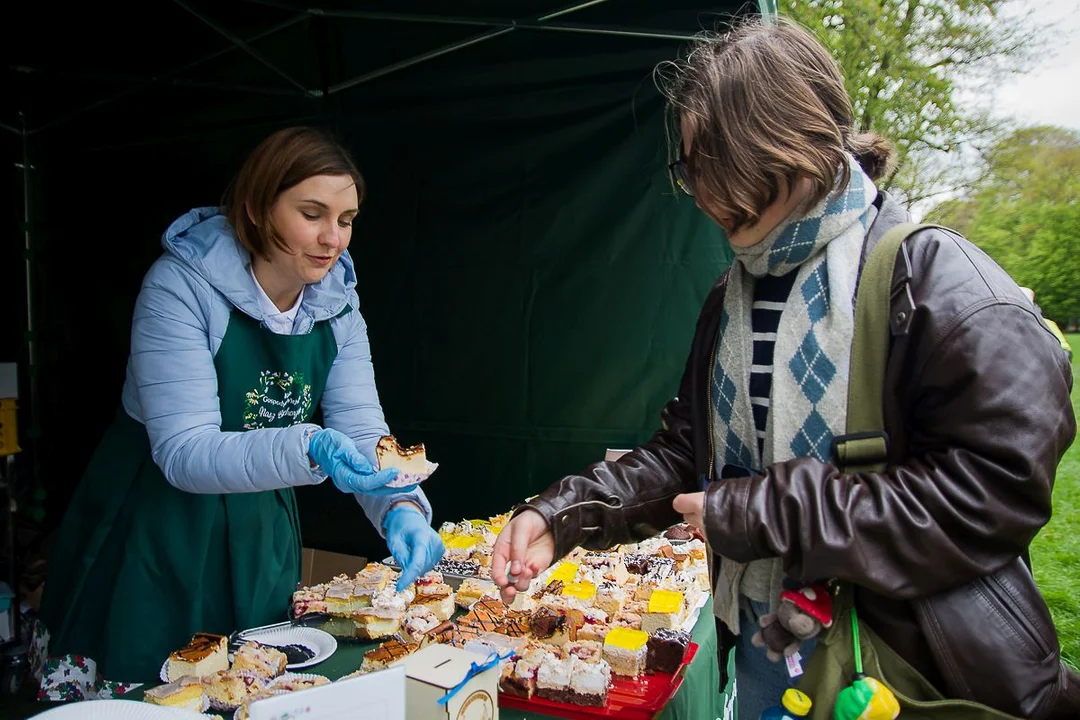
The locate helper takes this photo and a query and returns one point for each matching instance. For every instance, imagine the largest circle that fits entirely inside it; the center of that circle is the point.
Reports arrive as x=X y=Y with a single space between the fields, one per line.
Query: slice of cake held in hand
x=411 y=463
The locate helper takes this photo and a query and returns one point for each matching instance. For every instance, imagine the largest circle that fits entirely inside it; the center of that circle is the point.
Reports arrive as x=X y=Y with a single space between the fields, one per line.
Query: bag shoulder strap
x=865 y=446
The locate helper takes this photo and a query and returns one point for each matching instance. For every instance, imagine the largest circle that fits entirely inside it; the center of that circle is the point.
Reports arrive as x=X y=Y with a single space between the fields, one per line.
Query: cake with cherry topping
x=265 y=661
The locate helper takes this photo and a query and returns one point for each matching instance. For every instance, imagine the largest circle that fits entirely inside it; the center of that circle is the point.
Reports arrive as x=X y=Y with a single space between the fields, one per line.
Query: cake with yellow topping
x=665 y=610
x=625 y=650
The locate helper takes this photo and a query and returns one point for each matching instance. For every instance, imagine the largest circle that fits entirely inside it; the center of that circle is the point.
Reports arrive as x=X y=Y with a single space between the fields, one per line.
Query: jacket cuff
x=377 y=507
x=570 y=523
x=315 y=472
x=725 y=516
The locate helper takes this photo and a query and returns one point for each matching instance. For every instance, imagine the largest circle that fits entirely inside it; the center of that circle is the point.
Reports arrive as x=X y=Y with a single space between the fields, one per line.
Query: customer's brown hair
x=281 y=161
x=762 y=104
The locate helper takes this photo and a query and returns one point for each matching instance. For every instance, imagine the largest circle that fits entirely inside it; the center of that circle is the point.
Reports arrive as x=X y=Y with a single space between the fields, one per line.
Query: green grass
x=1055 y=553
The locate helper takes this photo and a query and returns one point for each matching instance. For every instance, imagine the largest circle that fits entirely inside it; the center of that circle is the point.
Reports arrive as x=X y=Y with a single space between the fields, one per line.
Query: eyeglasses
x=680 y=174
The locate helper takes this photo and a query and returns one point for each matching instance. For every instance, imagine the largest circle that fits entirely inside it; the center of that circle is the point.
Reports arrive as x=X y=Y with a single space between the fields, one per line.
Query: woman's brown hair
x=281 y=161
x=762 y=104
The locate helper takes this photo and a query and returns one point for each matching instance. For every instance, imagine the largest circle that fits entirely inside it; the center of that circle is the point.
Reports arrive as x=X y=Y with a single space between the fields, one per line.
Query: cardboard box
x=375 y=695
x=432 y=672
x=319 y=566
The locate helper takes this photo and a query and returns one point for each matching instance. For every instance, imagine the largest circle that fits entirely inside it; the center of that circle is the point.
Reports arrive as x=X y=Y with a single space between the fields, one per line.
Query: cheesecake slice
x=205 y=655
x=411 y=462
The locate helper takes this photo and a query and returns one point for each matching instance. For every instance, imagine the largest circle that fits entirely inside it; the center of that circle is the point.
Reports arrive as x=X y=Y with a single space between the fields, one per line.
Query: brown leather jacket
x=978 y=414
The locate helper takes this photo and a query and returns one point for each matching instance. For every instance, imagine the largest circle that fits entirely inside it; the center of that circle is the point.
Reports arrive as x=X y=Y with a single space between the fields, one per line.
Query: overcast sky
x=1050 y=93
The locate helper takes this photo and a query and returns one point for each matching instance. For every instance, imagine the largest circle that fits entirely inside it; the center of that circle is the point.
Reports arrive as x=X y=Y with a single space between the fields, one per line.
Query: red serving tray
x=640 y=699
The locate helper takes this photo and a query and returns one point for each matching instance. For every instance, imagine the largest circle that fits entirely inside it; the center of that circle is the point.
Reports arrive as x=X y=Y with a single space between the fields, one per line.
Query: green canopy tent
x=529 y=277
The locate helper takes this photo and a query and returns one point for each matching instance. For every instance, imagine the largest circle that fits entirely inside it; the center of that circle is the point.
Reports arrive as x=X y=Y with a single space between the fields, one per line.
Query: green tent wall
x=529 y=277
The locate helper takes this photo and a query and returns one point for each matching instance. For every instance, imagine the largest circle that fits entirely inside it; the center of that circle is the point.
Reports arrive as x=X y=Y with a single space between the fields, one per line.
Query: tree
x=1024 y=212
x=906 y=64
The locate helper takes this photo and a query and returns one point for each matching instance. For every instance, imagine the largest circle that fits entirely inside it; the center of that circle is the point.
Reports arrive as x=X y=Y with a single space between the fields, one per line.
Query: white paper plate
x=404 y=480
x=276 y=683
x=118 y=710
x=321 y=643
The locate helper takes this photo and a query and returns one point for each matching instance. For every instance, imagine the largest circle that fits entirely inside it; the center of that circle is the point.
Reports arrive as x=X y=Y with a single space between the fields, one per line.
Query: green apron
x=139 y=566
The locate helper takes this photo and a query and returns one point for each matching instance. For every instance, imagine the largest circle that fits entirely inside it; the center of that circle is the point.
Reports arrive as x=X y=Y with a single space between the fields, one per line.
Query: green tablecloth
x=698 y=698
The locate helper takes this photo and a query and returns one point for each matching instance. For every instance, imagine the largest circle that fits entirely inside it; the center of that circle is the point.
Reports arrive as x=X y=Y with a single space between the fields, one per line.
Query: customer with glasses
x=976 y=396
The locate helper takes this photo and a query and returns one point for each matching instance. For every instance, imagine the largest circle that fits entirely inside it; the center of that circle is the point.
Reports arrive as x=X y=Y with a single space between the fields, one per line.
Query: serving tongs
x=236 y=639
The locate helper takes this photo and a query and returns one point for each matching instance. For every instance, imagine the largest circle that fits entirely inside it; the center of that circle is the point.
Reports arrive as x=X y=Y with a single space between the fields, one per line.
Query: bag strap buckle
x=861 y=451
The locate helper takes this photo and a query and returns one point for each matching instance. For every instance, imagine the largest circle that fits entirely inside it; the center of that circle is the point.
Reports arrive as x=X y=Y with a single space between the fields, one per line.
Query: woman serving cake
x=246 y=330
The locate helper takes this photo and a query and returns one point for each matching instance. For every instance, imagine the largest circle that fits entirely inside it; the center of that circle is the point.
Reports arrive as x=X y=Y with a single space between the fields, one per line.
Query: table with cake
x=625 y=632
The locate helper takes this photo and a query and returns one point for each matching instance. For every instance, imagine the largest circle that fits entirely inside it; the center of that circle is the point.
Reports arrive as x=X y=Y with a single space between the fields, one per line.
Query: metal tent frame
x=491 y=28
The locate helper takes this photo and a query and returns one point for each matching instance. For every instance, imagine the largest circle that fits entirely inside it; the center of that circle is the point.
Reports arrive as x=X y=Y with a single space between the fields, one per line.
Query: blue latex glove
x=416 y=547
x=351 y=472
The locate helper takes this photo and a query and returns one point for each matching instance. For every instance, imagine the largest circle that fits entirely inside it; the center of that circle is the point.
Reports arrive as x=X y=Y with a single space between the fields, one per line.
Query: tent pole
x=606 y=30
x=239 y=42
x=32 y=369
x=234 y=87
x=569 y=9
x=406 y=18
x=167 y=76
x=5 y=126
x=367 y=77
x=503 y=29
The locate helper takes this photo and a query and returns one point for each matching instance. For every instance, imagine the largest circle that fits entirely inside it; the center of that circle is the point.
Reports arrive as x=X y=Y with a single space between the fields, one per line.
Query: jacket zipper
x=711 y=459
x=711 y=369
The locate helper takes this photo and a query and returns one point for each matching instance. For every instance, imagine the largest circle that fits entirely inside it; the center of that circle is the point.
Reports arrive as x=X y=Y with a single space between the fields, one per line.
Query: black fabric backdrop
x=529 y=277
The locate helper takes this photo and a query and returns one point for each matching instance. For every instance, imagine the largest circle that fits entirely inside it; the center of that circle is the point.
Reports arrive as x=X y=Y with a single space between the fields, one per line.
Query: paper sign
x=376 y=695
x=794 y=665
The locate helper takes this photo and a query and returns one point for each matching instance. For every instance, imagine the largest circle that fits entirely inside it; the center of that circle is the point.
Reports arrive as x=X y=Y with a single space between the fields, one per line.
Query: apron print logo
x=281 y=396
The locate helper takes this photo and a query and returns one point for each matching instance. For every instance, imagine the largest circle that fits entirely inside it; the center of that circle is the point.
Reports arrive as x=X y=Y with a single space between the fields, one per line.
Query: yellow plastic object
x=566 y=572
x=665 y=601
x=581 y=590
x=461 y=542
x=883 y=704
x=796 y=702
x=626 y=639
x=9 y=434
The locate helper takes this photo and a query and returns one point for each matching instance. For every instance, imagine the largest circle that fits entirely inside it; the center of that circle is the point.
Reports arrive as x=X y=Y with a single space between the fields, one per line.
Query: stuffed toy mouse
x=801 y=615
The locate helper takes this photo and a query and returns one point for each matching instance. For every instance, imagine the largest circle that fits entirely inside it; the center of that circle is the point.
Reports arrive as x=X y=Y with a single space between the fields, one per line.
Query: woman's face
x=703 y=202
x=314 y=219
x=748 y=235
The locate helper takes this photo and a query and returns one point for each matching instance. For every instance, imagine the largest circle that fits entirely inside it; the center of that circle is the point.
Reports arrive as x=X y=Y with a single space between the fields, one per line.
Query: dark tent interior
x=529 y=276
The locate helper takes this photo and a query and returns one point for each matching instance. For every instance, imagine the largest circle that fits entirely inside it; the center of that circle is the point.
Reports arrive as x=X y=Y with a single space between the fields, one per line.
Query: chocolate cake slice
x=666 y=650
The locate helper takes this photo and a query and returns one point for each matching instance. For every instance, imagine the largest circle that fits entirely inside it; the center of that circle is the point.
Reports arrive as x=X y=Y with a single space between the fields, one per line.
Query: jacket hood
x=203 y=241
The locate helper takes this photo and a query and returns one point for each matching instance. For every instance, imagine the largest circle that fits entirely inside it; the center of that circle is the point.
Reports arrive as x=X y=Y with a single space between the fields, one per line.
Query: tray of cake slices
x=598 y=634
